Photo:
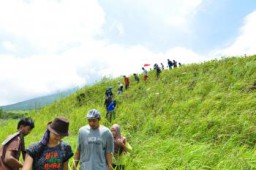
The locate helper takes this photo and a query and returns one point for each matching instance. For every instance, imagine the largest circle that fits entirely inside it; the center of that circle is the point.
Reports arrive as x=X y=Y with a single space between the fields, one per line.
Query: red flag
x=146 y=65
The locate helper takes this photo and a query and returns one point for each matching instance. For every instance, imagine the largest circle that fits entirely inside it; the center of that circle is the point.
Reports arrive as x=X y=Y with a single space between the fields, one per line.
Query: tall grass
x=199 y=116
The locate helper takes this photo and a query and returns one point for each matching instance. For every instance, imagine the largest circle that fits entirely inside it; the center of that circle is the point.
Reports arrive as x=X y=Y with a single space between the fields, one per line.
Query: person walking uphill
x=126 y=82
x=51 y=152
x=145 y=74
x=136 y=78
x=110 y=108
x=14 y=145
x=95 y=145
x=120 y=88
x=170 y=64
x=158 y=70
x=108 y=92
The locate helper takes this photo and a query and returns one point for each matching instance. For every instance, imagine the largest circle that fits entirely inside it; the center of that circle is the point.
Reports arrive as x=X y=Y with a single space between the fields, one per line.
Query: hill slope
x=199 y=116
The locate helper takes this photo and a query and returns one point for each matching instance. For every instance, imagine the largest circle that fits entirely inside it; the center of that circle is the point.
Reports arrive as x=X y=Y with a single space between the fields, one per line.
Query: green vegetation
x=12 y=114
x=199 y=116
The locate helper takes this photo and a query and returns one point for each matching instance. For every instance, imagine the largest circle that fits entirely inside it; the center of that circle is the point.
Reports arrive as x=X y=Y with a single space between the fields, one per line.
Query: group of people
x=126 y=83
x=171 y=64
x=98 y=147
x=158 y=69
x=110 y=103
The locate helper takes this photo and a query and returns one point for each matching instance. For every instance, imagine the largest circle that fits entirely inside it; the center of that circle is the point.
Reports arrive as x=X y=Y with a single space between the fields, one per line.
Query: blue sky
x=52 y=45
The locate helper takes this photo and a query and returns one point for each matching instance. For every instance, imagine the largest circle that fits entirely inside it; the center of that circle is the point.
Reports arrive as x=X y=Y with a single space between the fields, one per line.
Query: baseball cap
x=93 y=114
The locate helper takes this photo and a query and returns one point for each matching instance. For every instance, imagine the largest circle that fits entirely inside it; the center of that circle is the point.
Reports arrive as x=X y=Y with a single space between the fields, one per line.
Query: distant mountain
x=38 y=102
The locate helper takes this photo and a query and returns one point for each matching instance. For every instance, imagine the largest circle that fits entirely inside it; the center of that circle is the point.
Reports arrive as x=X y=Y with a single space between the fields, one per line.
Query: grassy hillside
x=199 y=116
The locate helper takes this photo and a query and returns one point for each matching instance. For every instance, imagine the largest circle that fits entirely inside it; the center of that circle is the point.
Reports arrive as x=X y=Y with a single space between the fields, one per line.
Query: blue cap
x=93 y=114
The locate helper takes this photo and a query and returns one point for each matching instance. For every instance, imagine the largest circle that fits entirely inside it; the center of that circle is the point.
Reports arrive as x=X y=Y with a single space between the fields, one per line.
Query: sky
x=47 y=46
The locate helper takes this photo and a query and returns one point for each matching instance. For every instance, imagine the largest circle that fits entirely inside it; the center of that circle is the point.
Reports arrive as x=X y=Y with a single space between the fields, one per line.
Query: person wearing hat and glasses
x=51 y=152
x=95 y=145
x=14 y=145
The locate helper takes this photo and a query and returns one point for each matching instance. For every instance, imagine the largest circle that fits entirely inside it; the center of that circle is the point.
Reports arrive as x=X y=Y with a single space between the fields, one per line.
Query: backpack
x=111 y=106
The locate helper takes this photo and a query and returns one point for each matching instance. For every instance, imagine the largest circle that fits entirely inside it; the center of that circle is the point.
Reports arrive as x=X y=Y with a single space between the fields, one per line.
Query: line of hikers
x=110 y=103
x=171 y=65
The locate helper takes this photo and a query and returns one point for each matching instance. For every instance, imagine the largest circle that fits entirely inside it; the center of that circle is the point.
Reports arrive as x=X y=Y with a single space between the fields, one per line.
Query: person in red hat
x=14 y=145
x=51 y=152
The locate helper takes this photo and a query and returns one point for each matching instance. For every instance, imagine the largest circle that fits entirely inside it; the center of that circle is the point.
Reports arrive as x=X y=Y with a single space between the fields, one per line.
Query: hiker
x=108 y=92
x=170 y=64
x=136 y=78
x=14 y=145
x=121 y=147
x=175 y=64
x=51 y=152
x=107 y=102
x=126 y=82
x=158 y=70
x=110 y=105
x=111 y=111
x=162 y=65
x=120 y=88
x=145 y=74
x=95 y=145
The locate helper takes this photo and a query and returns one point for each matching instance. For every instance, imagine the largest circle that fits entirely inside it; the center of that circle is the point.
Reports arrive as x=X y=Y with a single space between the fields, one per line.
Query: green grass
x=199 y=116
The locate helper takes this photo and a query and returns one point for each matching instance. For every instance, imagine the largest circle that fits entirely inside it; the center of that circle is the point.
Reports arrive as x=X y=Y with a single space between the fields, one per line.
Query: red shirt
x=126 y=81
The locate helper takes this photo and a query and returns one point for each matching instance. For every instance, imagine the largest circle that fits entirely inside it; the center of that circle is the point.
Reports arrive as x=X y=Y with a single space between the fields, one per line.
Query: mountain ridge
x=38 y=102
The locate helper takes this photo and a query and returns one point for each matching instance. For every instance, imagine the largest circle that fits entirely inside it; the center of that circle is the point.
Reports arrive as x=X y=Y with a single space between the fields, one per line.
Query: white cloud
x=50 y=24
x=9 y=46
x=183 y=55
x=176 y=13
x=182 y=12
x=245 y=43
x=66 y=53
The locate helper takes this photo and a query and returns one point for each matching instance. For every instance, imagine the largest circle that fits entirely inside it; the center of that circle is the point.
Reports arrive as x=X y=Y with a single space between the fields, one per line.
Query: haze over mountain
x=39 y=102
